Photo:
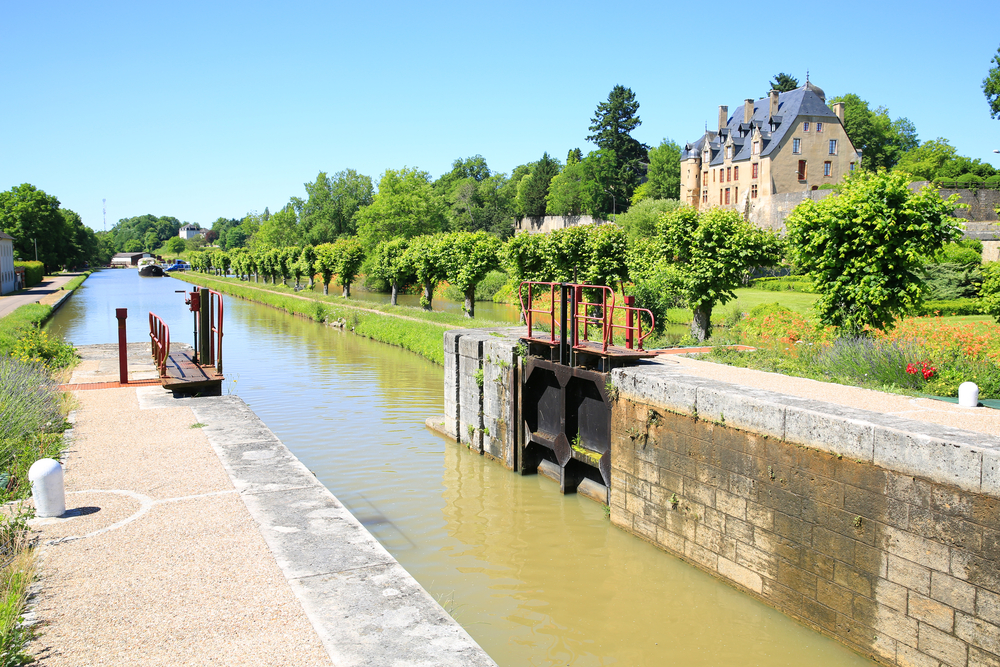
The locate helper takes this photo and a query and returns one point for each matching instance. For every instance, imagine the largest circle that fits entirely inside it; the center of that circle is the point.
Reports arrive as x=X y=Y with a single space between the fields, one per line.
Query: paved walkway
x=194 y=537
x=158 y=561
x=979 y=420
x=47 y=292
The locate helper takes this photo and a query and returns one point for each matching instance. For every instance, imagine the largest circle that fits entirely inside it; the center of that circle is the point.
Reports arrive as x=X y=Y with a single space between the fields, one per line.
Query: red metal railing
x=529 y=311
x=159 y=334
x=584 y=315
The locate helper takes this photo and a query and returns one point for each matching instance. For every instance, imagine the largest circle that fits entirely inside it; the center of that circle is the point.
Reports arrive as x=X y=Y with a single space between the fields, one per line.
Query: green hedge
x=784 y=284
x=950 y=307
x=34 y=272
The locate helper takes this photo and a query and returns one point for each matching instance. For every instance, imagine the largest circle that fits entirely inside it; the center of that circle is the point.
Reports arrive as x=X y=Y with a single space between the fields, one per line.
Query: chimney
x=838 y=109
x=774 y=104
x=723 y=116
x=747 y=111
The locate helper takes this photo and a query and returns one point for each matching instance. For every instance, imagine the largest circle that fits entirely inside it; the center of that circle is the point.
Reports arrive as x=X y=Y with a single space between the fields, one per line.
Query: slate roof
x=4 y=236
x=805 y=101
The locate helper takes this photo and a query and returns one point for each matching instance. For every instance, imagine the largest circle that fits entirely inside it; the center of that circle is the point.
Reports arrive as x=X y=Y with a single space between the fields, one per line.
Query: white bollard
x=968 y=394
x=46 y=477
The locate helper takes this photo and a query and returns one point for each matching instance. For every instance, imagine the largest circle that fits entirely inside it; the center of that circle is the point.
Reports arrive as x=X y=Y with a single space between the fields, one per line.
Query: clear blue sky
x=209 y=109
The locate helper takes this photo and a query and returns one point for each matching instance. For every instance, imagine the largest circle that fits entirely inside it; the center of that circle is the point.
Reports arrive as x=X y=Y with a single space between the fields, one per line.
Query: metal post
x=122 y=315
x=577 y=292
x=629 y=302
x=204 y=328
x=563 y=347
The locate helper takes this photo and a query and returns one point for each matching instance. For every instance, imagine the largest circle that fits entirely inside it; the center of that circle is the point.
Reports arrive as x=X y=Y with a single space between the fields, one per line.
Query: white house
x=7 y=279
x=190 y=231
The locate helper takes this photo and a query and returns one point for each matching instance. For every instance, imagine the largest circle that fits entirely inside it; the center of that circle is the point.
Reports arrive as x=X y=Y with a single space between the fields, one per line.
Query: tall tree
x=612 y=127
x=31 y=216
x=991 y=86
x=784 y=83
x=534 y=188
x=881 y=140
x=664 y=172
x=406 y=205
x=474 y=168
x=328 y=213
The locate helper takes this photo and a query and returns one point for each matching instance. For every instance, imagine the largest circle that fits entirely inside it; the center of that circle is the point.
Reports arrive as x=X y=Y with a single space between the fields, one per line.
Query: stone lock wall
x=880 y=532
x=480 y=390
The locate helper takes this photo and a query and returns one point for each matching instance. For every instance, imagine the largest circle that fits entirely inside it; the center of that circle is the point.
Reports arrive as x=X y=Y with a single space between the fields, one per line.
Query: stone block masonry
x=879 y=531
x=481 y=382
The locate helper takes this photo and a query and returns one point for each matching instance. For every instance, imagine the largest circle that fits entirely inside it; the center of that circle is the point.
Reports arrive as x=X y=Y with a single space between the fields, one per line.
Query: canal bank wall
x=880 y=531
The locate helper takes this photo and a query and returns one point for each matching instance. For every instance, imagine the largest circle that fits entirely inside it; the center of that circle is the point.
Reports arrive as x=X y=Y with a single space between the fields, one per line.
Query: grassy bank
x=32 y=421
x=412 y=329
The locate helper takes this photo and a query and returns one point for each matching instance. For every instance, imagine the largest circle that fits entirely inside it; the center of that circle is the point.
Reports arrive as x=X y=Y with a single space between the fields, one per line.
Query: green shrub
x=34 y=272
x=659 y=290
x=989 y=290
x=969 y=181
x=993 y=182
x=965 y=251
x=951 y=281
x=784 y=283
x=966 y=306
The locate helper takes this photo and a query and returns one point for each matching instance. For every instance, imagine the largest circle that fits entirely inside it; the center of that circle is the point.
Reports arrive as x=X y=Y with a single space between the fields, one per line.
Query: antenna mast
x=105 y=202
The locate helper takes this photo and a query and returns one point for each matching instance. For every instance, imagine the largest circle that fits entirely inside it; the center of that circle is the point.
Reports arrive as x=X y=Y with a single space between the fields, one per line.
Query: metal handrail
x=579 y=317
x=528 y=311
x=159 y=334
x=602 y=321
x=215 y=327
x=630 y=313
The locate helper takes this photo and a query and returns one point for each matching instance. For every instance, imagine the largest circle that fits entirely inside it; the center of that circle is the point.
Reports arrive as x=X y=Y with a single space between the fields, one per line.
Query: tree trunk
x=395 y=292
x=428 y=295
x=701 y=325
x=326 y=289
x=311 y=282
x=470 y=302
x=347 y=290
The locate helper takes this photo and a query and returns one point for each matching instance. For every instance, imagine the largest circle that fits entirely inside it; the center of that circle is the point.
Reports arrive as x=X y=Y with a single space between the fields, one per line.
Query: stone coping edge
x=968 y=460
x=365 y=607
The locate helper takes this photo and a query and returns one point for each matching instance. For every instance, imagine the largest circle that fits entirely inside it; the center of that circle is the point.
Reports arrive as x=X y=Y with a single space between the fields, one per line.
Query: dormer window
x=729 y=152
x=756 y=148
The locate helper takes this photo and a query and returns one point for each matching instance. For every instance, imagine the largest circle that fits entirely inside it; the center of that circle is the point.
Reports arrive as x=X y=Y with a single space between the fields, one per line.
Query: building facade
x=188 y=232
x=8 y=279
x=786 y=142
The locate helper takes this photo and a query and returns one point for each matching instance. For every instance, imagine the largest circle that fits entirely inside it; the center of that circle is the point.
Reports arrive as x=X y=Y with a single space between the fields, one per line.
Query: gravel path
x=159 y=561
x=981 y=420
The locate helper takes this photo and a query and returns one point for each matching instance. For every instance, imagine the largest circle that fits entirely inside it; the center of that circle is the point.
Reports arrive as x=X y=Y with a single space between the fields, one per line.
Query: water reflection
x=536 y=578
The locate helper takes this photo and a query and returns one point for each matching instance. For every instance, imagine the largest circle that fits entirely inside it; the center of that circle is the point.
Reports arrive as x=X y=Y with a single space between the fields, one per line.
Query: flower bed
x=928 y=355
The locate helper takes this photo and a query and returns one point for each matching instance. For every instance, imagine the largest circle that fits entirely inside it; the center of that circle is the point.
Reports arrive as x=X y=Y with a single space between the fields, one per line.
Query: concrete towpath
x=193 y=537
x=46 y=292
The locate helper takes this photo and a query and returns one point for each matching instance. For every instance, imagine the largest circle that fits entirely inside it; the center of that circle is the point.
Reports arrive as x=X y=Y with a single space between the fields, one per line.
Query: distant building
x=188 y=232
x=8 y=278
x=786 y=142
x=128 y=258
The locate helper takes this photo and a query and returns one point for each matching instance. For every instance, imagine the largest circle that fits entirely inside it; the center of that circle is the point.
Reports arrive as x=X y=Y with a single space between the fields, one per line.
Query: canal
x=536 y=578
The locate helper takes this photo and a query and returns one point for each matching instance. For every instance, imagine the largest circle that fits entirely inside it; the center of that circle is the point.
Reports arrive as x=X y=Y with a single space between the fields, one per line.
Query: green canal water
x=535 y=577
